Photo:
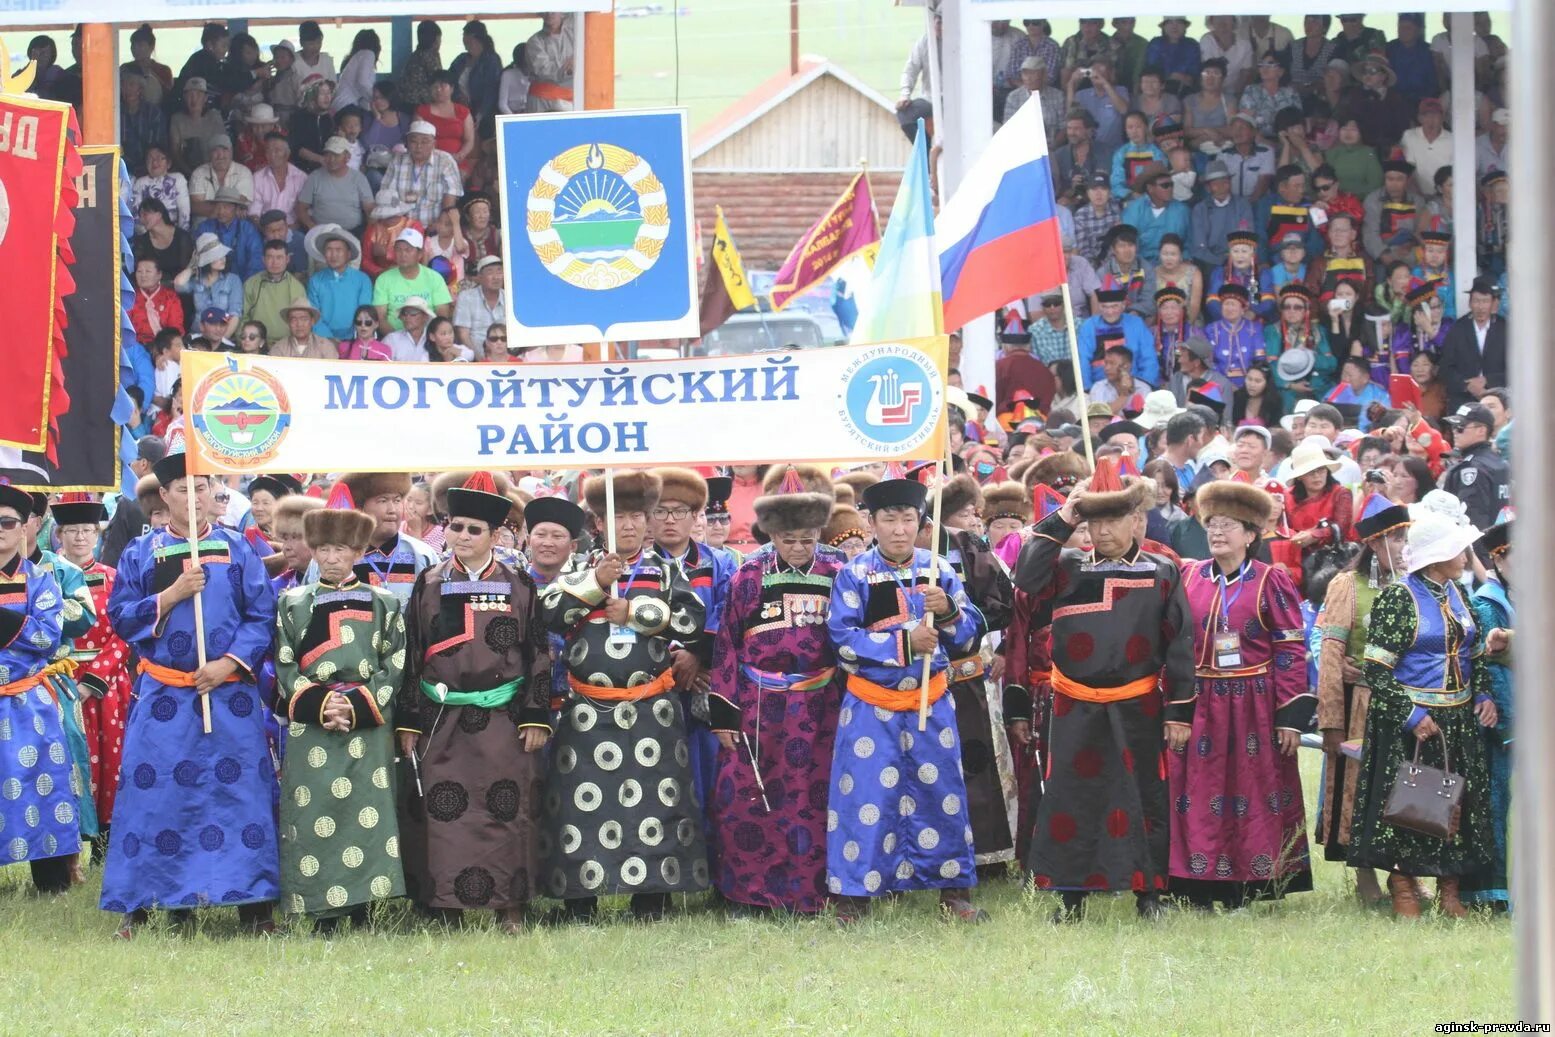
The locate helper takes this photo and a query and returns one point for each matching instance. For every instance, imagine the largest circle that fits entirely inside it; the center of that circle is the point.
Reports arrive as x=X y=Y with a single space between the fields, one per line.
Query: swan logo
x=891 y=398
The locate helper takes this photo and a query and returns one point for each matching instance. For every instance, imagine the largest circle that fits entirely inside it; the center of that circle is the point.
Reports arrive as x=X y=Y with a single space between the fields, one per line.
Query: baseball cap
x=488 y=261
x=213 y=315
x=196 y=83
x=1430 y=104
x=1471 y=414
x=1097 y=180
x=220 y=140
x=1501 y=117
x=337 y=146
x=423 y=127
x=412 y=237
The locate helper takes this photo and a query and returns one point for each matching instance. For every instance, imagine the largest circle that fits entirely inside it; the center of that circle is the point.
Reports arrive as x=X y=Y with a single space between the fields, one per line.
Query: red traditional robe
x=104 y=677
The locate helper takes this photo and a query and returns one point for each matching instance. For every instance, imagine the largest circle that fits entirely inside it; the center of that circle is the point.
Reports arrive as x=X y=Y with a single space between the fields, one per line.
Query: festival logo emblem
x=891 y=398
x=598 y=216
x=240 y=416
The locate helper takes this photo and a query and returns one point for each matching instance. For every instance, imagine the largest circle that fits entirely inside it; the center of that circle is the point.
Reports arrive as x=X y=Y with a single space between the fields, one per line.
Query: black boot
x=650 y=907
x=1149 y=906
x=1073 y=909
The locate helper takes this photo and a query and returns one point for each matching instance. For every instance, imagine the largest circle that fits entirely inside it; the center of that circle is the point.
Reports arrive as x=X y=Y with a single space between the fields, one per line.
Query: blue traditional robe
x=897 y=818
x=78 y=614
x=1493 y=608
x=194 y=823
x=38 y=793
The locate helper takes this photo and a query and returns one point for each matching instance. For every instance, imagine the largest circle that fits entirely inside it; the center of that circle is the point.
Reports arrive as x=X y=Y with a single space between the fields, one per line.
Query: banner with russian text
x=37 y=167
x=249 y=414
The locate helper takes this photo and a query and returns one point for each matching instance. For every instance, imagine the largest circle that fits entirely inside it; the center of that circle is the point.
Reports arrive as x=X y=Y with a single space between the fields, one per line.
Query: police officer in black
x=1481 y=479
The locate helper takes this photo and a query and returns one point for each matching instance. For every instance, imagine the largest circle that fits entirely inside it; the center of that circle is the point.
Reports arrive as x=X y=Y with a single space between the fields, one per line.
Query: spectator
x=1334 y=86
x=335 y=193
x=302 y=338
x=258 y=123
x=253 y=338
x=1271 y=93
x=446 y=250
x=1327 y=196
x=140 y=123
x=230 y=227
x=1151 y=97
x=1086 y=47
x=495 y=346
x=477 y=75
x=1192 y=359
x=550 y=56
x=278 y=184
x=273 y=226
x=161 y=240
x=211 y=285
x=311 y=60
x=209 y=66
x=1250 y=163
x=1257 y=403
x=1382 y=111
x=415 y=82
x=1237 y=342
x=220 y=172
x=483 y=236
x=1118 y=388
x=1110 y=326
x=156 y=78
x=1357 y=40
x=1138 y=153
x=1297 y=330
x=1128 y=51
x=1018 y=371
x=359 y=74
x=409 y=342
x=1033 y=80
x=1474 y=355
x=481 y=305
x=285 y=91
x=1499 y=403
x=364 y=343
x=1079 y=159
x=1207 y=112
x=1285 y=212
x=454 y=128
x=167 y=346
x=1175 y=55
x=1172 y=270
x=1049 y=332
x=1412 y=59
x=1295 y=145
x=193 y=127
x=513 y=88
x=408 y=279
x=242 y=65
x=1218 y=214
x=908 y=109
x=1428 y=146
x=1320 y=509
x=1309 y=56
x=162 y=183
x=1186 y=434
x=1392 y=209
x=1355 y=162
x=311 y=125
x=1356 y=389
x=338 y=290
x=441 y=347
x=1092 y=89
x=423 y=177
x=1154 y=214
x=390 y=216
x=348 y=125
x=1263 y=35
x=1122 y=268
x=1490 y=152
x=1241 y=269
x=385 y=130
x=1042 y=46
x=156 y=306
x=271 y=290
x=214 y=322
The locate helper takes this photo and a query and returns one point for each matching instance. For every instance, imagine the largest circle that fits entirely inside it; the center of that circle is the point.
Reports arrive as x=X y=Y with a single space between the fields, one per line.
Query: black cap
x=278 y=485
x=895 y=493
x=171 y=468
x=1118 y=428
x=1112 y=295
x=78 y=513
x=490 y=508
x=1471 y=414
x=1497 y=538
x=719 y=489
x=1484 y=286
x=558 y=511
x=11 y=497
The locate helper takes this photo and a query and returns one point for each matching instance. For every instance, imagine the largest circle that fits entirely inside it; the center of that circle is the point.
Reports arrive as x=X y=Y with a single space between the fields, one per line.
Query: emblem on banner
x=891 y=397
x=598 y=216
x=240 y=416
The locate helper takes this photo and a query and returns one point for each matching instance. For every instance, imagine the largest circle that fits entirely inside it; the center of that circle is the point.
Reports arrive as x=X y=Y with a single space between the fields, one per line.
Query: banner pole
x=1079 y=377
x=610 y=509
x=940 y=468
x=199 y=608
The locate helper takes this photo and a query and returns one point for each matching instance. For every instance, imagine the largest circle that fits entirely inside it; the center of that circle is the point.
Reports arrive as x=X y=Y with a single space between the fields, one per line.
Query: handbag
x=1424 y=799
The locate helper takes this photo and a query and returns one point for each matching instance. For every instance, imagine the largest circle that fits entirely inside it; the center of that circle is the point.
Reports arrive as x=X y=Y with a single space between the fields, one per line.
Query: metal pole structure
x=1465 y=182
x=966 y=133
x=1532 y=264
x=793 y=37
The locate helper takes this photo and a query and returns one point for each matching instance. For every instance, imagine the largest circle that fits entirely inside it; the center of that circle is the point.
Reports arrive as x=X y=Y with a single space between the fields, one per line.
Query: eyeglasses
x=366 y=322
x=672 y=513
x=720 y=520
x=475 y=529
x=1048 y=304
x=9 y=523
x=1161 y=183
x=1326 y=187
x=1222 y=525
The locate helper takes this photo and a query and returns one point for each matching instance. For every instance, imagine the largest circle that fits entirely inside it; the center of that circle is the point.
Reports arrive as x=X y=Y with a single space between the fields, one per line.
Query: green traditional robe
x=339 y=834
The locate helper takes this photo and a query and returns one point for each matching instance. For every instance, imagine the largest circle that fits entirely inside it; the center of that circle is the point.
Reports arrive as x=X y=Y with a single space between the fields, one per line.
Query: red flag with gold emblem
x=38 y=167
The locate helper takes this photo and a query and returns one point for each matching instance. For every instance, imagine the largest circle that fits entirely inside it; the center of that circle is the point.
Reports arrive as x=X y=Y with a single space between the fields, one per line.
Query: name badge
x=620 y=635
x=1228 y=651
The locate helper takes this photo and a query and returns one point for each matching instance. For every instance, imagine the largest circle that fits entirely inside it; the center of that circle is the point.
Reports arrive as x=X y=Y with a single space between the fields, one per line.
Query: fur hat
x=350 y=527
x=683 y=486
x=958 y=493
x=1060 y=471
x=364 y=486
x=794 y=497
x=845 y=523
x=148 y=493
x=1244 y=502
x=290 y=511
x=448 y=480
x=860 y=480
x=1113 y=495
x=636 y=490
x=1006 y=500
x=843 y=492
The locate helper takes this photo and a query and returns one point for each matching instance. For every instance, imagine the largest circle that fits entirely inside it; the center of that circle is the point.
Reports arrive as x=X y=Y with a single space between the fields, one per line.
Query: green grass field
x=1316 y=964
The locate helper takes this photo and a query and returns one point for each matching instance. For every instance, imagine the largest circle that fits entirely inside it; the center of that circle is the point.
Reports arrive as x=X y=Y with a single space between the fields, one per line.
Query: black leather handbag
x=1424 y=799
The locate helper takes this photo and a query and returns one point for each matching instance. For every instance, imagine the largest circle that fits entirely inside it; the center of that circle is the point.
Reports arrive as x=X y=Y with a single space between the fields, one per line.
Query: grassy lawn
x=1316 y=964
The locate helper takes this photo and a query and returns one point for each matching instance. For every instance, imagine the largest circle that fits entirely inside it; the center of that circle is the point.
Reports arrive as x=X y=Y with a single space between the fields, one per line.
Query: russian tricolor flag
x=998 y=236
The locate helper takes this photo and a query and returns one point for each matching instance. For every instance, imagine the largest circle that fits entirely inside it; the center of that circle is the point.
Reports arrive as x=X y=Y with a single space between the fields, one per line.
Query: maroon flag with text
x=850 y=226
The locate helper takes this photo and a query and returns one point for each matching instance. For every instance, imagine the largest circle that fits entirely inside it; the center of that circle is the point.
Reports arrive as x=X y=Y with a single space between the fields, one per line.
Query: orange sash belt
x=1085 y=693
x=169 y=677
x=550 y=91
x=22 y=686
x=894 y=699
x=57 y=668
x=660 y=684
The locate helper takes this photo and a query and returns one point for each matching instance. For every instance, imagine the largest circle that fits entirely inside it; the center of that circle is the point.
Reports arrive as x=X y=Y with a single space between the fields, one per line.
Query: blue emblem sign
x=596 y=210
x=891 y=398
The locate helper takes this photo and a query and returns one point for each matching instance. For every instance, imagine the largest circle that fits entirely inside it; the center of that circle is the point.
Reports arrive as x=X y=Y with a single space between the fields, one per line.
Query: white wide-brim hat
x=1160 y=407
x=1434 y=539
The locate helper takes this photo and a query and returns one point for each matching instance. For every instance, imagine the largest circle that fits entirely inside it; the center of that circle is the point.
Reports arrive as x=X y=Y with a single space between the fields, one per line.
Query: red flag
x=38 y=164
x=848 y=227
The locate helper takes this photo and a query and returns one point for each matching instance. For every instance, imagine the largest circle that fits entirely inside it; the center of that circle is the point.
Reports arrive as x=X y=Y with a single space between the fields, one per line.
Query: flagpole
x=1079 y=376
x=199 y=607
x=610 y=509
x=940 y=468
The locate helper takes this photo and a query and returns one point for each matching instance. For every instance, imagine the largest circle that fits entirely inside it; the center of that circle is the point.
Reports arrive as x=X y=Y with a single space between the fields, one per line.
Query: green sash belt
x=491 y=698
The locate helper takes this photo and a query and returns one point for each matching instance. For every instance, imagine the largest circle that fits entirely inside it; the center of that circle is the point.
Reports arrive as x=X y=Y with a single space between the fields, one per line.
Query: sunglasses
x=1161 y=183
x=9 y=523
x=1293 y=305
x=1049 y=304
x=367 y=323
x=1326 y=187
x=475 y=529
